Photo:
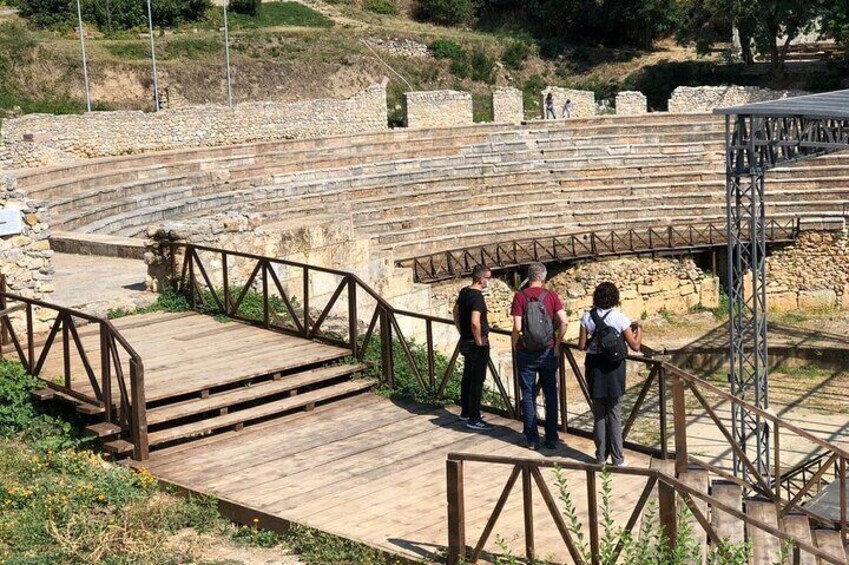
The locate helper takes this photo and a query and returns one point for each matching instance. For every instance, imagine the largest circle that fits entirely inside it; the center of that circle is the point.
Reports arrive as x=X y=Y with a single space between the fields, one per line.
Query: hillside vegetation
x=290 y=50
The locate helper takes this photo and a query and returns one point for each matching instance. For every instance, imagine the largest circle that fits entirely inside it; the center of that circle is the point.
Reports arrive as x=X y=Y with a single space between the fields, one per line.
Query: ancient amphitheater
x=369 y=200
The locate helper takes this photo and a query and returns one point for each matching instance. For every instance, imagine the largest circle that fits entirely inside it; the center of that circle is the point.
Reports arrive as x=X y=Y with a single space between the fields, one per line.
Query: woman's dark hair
x=605 y=296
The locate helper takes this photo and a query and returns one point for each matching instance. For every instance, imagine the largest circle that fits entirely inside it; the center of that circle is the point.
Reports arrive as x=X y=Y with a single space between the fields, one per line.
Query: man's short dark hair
x=479 y=272
x=605 y=296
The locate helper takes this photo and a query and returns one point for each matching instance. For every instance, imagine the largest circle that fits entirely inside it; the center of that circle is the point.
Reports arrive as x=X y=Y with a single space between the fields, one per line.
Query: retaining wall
x=688 y=99
x=437 y=108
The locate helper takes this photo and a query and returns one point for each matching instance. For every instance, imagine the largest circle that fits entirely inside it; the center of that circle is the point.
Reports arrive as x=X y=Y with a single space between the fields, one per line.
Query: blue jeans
x=530 y=364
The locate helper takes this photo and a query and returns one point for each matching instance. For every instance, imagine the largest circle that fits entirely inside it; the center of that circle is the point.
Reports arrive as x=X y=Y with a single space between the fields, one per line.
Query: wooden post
x=668 y=514
x=456 y=512
x=352 y=316
x=139 y=411
x=266 y=315
x=842 y=472
x=680 y=422
x=105 y=371
x=431 y=360
x=528 y=510
x=306 y=291
x=4 y=332
x=66 y=349
x=592 y=521
x=664 y=425
x=386 y=349
x=225 y=276
x=31 y=341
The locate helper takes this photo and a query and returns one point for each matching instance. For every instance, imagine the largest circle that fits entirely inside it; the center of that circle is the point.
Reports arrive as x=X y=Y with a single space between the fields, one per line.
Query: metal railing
x=583 y=245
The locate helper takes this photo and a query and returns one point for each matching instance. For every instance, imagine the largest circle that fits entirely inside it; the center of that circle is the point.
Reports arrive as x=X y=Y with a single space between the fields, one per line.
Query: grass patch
x=192 y=47
x=128 y=50
x=273 y=14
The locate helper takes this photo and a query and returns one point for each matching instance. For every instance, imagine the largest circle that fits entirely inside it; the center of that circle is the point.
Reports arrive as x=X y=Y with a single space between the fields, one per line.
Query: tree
x=768 y=26
x=835 y=22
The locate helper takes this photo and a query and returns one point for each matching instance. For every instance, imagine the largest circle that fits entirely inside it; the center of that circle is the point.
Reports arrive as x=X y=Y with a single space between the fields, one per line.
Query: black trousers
x=475 y=363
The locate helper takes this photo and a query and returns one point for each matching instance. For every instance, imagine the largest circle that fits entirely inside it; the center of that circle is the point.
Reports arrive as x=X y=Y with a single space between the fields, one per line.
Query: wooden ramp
x=203 y=375
x=371 y=470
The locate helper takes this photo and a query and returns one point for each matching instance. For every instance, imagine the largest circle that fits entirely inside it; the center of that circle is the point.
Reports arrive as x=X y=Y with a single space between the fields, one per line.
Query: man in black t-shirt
x=470 y=319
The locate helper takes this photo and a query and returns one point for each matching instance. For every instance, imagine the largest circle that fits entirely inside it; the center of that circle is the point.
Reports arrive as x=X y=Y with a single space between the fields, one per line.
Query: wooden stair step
x=102 y=429
x=830 y=542
x=47 y=394
x=725 y=525
x=766 y=548
x=255 y=391
x=799 y=526
x=118 y=447
x=262 y=411
x=697 y=479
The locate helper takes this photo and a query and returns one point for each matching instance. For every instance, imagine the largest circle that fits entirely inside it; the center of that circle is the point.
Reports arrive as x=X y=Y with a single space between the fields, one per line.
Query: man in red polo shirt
x=542 y=359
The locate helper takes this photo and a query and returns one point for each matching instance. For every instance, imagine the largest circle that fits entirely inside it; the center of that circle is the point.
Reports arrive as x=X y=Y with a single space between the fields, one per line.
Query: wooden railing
x=668 y=491
x=338 y=324
x=112 y=364
x=583 y=245
x=780 y=483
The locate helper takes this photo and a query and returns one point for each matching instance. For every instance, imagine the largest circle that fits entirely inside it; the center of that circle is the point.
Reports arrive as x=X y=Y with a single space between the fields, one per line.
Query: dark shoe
x=550 y=444
x=478 y=425
x=532 y=445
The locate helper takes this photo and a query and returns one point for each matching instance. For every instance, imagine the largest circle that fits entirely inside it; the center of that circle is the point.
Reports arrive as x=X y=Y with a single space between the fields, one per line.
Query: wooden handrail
x=132 y=403
x=667 y=486
x=387 y=317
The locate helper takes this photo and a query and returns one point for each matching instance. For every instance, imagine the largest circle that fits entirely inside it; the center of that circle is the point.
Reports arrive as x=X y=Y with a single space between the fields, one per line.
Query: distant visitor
x=606 y=333
x=549 y=107
x=470 y=317
x=536 y=312
x=567 y=109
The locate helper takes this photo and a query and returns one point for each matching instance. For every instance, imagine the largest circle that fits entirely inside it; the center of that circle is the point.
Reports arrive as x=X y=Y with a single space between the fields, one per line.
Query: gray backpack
x=537 y=325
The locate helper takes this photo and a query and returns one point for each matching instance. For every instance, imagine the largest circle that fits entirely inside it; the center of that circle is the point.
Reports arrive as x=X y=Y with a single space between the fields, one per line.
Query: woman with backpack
x=606 y=334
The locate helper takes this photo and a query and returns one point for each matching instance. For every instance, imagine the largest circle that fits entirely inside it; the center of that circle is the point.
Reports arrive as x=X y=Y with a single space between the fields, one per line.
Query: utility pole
x=227 y=56
x=153 y=55
x=85 y=62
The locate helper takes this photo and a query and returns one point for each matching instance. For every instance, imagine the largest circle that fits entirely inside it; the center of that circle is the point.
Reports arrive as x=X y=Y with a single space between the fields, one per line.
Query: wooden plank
x=697 y=478
x=725 y=525
x=766 y=549
x=247 y=394
x=830 y=542
x=261 y=411
x=798 y=526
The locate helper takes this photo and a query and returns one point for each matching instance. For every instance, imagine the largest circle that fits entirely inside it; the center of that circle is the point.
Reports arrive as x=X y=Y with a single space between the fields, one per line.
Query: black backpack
x=611 y=343
x=537 y=325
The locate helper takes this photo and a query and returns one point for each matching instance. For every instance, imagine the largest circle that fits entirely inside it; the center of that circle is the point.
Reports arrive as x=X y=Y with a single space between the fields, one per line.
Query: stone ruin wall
x=26 y=260
x=811 y=274
x=631 y=103
x=437 y=108
x=687 y=99
x=508 y=105
x=329 y=242
x=42 y=139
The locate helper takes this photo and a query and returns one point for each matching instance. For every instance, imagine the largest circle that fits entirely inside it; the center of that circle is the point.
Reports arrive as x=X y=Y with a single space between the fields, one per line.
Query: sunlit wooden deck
x=372 y=470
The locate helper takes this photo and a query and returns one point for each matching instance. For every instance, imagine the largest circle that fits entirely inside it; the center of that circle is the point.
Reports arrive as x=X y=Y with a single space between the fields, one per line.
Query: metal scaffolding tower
x=760 y=137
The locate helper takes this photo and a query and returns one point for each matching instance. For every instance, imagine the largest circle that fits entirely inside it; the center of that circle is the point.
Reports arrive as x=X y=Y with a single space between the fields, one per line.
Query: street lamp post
x=85 y=62
x=227 y=56
x=153 y=55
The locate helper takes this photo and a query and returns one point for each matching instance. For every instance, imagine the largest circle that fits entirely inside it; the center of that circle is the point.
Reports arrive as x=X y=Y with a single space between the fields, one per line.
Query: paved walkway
x=98 y=284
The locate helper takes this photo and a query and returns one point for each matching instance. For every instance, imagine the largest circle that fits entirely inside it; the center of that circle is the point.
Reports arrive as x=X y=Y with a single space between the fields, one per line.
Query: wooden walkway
x=186 y=352
x=371 y=470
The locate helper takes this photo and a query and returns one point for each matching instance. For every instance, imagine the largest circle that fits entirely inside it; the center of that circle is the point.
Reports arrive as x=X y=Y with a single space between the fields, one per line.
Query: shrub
x=118 y=15
x=385 y=7
x=483 y=67
x=460 y=68
x=246 y=7
x=447 y=12
x=273 y=14
x=46 y=13
x=446 y=49
x=515 y=55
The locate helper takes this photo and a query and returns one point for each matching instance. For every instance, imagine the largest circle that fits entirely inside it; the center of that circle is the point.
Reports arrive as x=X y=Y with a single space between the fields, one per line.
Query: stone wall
x=688 y=99
x=98 y=134
x=26 y=258
x=631 y=103
x=583 y=101
x=811 y=274
x=437 y=108
x=646 y=287
x=508 y=105
x=327 y=241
